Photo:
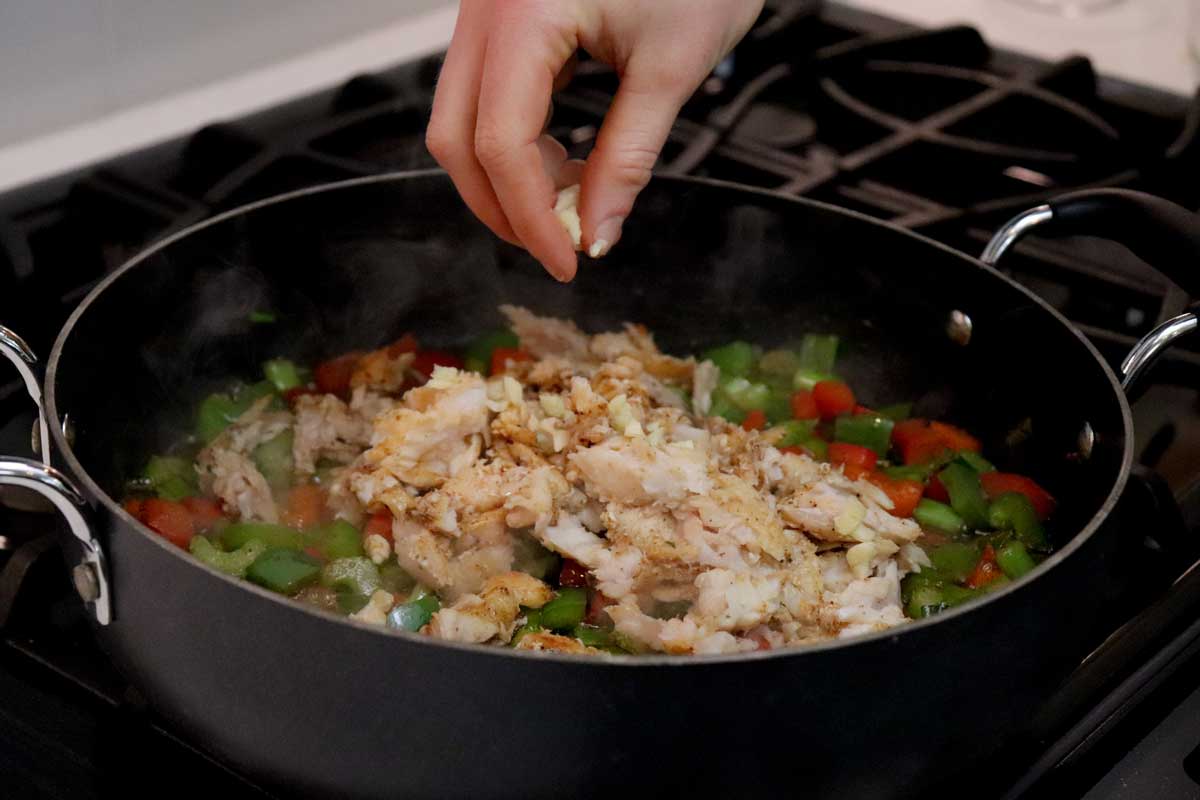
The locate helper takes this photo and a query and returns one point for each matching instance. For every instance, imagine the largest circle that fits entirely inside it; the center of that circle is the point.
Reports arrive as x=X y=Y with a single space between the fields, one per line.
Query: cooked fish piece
x=435 y=433
x=493 y=612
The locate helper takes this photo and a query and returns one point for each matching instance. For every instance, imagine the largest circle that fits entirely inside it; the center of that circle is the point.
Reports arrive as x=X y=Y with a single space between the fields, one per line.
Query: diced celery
x=735 y=359
x=282 y=374
x=274 y=459
x=172 y=477
x=818 y=352
x=357 y=575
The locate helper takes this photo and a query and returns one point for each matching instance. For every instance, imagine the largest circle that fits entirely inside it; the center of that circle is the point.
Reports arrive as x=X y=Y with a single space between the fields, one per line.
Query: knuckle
x=633 y=164
x=491 y=146
x=439 y=142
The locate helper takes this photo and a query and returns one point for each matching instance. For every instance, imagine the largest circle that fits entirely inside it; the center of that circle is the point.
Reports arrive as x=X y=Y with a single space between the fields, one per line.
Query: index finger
x=523 y=57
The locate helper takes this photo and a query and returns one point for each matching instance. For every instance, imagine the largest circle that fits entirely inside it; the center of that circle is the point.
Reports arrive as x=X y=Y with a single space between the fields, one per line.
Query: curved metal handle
x=91 y=574
x=1162 y=233
x=13 y=348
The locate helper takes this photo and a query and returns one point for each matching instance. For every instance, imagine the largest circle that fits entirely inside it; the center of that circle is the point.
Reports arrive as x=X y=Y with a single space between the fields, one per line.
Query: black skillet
x=328 y=707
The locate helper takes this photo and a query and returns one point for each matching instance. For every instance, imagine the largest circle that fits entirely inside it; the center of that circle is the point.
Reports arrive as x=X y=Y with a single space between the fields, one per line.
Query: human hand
x=493 y=96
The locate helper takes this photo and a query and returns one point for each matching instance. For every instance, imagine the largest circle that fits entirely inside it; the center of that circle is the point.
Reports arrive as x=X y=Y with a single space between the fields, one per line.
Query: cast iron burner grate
x=931 y=130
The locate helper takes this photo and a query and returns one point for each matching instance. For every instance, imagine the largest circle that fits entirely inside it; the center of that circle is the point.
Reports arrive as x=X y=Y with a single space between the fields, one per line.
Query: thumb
x=627 y=147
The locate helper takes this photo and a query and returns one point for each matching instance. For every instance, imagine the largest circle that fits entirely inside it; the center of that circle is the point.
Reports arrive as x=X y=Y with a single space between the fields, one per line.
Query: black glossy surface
x=265 y=683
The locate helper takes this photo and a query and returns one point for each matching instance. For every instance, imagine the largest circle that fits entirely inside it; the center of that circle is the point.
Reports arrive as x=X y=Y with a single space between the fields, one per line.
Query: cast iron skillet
x=326 y=706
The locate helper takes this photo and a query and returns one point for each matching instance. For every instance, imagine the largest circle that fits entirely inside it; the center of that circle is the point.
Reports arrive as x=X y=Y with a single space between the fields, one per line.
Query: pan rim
x=1080 y=537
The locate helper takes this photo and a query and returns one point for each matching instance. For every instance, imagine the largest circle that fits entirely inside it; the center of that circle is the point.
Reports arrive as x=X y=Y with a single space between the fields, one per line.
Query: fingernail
x=607 y=234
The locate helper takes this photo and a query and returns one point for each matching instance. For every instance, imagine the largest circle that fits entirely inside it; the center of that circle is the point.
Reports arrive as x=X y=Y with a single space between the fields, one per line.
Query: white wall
x=63 y=62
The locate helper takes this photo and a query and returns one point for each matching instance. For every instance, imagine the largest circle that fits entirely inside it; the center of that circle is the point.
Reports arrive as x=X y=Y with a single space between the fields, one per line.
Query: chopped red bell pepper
x=502 y=355
x=205 y=512
x=572 y=574
x=133 y=507
x=986 y=571
x=904 y=494
x=405 y=344
x=296 y=392
x=954 y=437
x=597 y=603
x=833 y=398
x=804 y=406
x=756 y=420
x=333 y=376
x=168 y=519
x=920 y=440
x=305 y=506
x=998 y=483
x=426 y=360
x=379 y=524
x=936 y=490
x=856 y=460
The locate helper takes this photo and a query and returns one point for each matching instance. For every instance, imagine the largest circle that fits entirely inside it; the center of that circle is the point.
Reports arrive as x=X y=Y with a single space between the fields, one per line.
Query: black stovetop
x=932 y=130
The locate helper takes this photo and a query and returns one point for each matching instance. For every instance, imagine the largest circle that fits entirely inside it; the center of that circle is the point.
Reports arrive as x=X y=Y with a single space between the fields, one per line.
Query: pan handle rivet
x=958 y=328
x=1087 y=440
x=84 y=578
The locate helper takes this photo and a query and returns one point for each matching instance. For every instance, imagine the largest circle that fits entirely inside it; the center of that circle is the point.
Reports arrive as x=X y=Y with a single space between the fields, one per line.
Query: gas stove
x=932 y=130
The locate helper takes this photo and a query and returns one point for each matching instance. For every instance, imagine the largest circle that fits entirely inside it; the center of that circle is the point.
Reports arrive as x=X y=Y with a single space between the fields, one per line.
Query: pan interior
x=357 y=266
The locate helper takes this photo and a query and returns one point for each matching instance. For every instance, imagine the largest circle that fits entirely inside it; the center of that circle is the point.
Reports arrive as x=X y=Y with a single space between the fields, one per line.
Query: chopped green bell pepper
x=274 y=459
x=955 y=560
x=533 y=624
x=796 y=432
x=938 y=517
x=357 y=575
x=239 y=533
x=912 y=472
x=735 y=359
x=393 y=579
x=261 y=317
x=235 y=563
x=350 y=603
x=338 y=539
x=975 y=461
x=1012 y=511
x=172 y=477
x=817 y=446
x=478 y=356
x=966 y=494
x=1014 y=559
x=592 y=636
x=566 y=610
x=284 y=570
x=282 y=374
x=818 y=352
x=214 y=415
x=897 y=411
x=219 y=410
x=866 y=430
x=414 y=614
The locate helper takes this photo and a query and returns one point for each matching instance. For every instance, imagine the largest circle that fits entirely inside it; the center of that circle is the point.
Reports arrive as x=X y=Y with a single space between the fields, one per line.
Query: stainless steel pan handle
x=90 y=575
x=1166 y=235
